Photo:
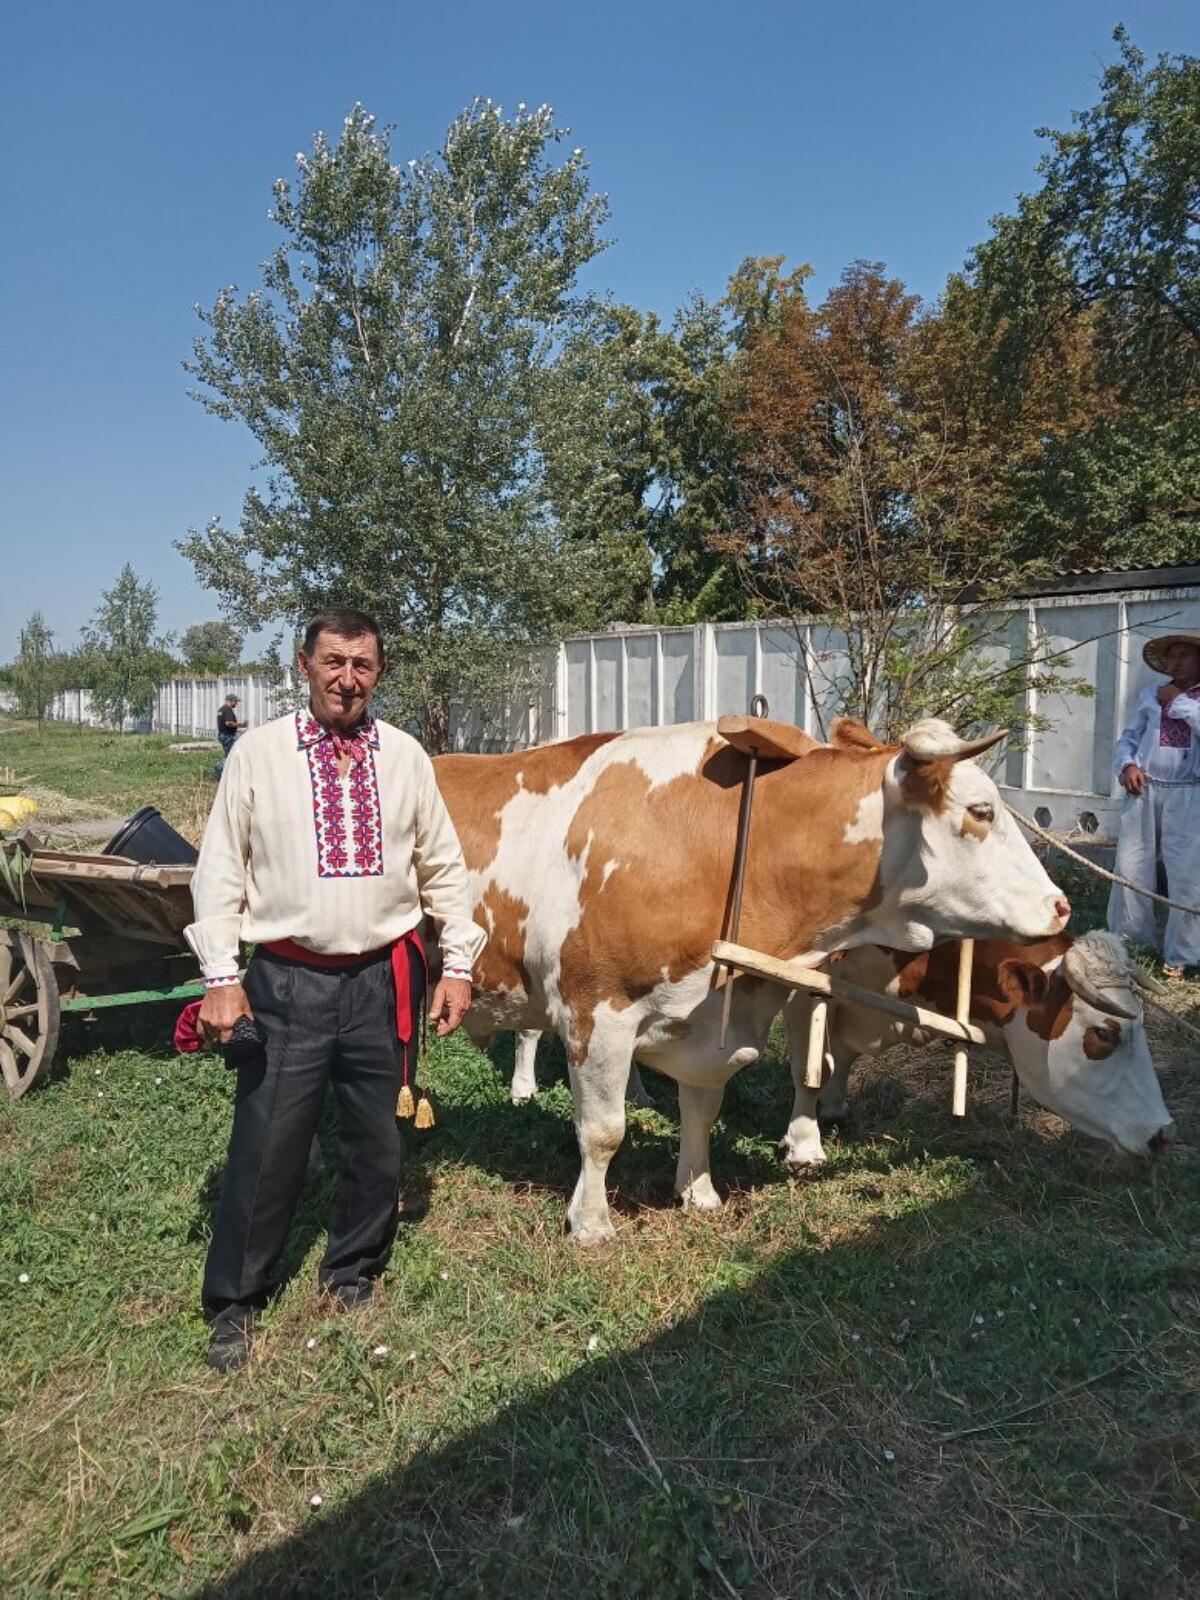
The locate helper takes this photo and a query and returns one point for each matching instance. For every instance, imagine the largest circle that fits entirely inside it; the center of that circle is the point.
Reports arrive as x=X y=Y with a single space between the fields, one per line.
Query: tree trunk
x=435 y=727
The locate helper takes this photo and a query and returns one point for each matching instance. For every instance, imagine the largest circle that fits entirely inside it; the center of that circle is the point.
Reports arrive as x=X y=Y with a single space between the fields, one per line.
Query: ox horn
x=934 y=741
x=1078 y=981
x=1146 y=980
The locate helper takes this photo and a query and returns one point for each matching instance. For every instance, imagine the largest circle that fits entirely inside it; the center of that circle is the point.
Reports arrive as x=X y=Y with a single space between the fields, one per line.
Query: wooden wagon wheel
x=28 y=1011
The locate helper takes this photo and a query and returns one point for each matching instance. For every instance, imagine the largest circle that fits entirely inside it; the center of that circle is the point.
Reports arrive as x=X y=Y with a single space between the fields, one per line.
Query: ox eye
x=982 y=812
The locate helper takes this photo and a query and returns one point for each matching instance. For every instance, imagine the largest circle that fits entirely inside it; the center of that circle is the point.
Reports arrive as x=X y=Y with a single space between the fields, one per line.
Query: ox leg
x=698 y=1110
x=833 y=1102
x=801 y=1144
x=524 y=1078
x=598 y=1088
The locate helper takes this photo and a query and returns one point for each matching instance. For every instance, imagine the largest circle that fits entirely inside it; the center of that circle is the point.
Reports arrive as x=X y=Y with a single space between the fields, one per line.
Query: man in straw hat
x=327 y=845
x=1158 y=766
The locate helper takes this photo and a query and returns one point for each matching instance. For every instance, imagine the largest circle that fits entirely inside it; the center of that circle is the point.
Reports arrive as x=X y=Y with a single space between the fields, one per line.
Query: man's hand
x=1133 y=779
x=1166 y=692
x=450 y=1004
x=220 y=1009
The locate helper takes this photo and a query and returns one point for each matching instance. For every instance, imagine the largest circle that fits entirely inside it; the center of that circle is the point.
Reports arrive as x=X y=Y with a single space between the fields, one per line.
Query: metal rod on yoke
x=962 y=1013
x=758 y=708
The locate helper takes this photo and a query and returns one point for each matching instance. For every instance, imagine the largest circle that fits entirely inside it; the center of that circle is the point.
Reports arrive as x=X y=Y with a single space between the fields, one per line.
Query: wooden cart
x=81 y=933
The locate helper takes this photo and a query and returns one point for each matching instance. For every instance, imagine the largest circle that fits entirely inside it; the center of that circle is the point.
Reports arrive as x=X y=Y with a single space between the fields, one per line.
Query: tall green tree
x=211 y=647
x=35 y=677
x=124 y=658
x=406 y=368
x=1096 y=279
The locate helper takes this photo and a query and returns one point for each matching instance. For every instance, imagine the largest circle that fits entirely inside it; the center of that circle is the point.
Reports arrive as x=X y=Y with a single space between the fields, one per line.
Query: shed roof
x=1101 y=580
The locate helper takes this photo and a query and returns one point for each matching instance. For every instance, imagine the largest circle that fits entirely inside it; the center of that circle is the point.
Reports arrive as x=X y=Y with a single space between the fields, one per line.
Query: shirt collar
x=309 y=731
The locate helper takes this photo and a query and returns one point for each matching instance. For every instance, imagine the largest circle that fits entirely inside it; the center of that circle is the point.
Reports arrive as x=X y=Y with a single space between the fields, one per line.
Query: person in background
x=327 y=844
x=228 y=726
x=1158 y=766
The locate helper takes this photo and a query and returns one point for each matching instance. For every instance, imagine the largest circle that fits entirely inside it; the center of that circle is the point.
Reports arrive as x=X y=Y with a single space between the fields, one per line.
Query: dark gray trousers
x=321 y=1025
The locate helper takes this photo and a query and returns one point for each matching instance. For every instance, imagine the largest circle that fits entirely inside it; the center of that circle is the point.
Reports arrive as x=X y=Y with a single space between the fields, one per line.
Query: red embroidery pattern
x=1174 y=731
x=349 y=826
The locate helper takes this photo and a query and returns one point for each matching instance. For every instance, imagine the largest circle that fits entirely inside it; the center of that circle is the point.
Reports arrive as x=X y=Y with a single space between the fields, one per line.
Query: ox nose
x=1062 y=909
x=1161 y=1142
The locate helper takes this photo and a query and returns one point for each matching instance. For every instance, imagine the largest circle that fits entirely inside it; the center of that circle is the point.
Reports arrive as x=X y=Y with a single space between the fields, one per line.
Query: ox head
x=955 y=864
x=1078 y=1043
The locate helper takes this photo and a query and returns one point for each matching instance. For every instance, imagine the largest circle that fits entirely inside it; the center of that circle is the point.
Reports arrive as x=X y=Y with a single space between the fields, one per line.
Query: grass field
x=964 y=1360
x=81 y=772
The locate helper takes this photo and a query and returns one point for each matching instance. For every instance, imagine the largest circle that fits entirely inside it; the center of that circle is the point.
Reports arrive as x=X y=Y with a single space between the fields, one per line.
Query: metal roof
x=1101 y=580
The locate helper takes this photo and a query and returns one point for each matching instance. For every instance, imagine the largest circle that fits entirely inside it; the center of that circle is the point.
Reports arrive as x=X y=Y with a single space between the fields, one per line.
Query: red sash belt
x=291 y=951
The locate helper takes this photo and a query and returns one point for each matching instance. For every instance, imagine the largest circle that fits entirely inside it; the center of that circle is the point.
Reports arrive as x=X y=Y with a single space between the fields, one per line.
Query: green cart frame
x=81 y=933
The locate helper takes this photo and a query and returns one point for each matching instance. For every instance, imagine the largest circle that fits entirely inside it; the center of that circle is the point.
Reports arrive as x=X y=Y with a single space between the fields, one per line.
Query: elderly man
x=1158 y=765
x=327 y=844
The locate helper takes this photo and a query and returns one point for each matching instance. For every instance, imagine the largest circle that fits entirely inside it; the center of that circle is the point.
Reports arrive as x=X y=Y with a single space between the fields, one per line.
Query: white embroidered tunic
x=1163 y=740
x=340 y=864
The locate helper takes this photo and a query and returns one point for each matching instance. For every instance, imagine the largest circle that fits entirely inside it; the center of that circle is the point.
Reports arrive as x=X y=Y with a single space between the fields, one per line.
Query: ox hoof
x=592 y=1232
x=700 y=1196
x=521 y=1099
x=801 y=1158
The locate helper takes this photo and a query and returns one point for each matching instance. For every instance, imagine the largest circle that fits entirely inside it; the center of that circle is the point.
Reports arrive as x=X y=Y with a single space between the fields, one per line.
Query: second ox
x=602 y=867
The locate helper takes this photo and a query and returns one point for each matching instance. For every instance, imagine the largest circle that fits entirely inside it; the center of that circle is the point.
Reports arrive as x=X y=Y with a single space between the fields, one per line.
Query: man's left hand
x=450 y=1004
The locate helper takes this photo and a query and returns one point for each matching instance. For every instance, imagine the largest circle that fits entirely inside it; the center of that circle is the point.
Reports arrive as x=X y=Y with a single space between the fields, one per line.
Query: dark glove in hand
x=247 y=1041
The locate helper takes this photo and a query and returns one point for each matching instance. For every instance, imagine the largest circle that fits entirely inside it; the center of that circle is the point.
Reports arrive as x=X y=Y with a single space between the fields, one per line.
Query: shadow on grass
x=811 y=1431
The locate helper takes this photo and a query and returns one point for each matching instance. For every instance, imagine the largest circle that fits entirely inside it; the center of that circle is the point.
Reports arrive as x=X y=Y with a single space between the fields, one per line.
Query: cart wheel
x=28 y=1011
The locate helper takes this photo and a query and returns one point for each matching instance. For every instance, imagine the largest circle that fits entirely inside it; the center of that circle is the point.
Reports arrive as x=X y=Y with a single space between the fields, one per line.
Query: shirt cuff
x=221 y=979
x=458 y=972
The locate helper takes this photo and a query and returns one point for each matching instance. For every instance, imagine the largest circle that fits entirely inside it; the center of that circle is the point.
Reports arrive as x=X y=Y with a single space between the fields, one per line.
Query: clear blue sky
x=141 y=140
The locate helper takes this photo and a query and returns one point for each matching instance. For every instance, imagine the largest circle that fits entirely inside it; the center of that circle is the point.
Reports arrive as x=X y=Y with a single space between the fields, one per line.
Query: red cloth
x=291 y=951
x=187 y=1032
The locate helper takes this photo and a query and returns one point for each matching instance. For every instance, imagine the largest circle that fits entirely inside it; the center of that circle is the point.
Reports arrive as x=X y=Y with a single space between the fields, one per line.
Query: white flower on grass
x=22 y=1277
x=158 y=1080
x=380 y=1350
x=444 y=1276
x=889 y=1456
x=593 y=1343
x=979 y=1320
x=316 y=1501
x=411 y=1356
x=310 y=1344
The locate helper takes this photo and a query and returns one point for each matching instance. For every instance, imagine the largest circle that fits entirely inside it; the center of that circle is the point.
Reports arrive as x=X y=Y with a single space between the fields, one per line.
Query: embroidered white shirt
x=342 y=864
x=1163 y=740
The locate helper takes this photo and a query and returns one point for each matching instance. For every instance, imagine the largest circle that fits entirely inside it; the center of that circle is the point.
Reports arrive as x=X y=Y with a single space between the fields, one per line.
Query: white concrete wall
x=188 y=706
x=654 y=676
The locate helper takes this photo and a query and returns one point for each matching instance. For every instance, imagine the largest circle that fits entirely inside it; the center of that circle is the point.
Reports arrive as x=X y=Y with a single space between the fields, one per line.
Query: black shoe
x=229 y=1349
x=353 y=1296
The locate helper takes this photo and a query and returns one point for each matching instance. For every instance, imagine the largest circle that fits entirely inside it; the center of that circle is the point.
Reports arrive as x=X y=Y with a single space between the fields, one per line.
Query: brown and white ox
x=1065 y=1011
x=601 y=869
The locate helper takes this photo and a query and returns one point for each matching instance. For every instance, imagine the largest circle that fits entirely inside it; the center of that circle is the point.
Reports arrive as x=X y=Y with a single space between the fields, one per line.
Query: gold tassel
x=425 y=1116
x=404 y=1103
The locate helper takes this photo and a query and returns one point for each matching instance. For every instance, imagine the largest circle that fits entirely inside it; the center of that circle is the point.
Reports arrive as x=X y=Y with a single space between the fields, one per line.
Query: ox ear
x=773 y=741
x=933 y=740
x=1022 y=982
x=848 y=733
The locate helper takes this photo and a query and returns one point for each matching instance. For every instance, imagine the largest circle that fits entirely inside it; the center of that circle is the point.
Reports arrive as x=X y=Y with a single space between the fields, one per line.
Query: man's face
x=1183 y=663
x=342 y=674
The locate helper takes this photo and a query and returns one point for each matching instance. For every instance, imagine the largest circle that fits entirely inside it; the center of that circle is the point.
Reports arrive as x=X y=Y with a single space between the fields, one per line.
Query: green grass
x=706 y=1407
x=107 y=774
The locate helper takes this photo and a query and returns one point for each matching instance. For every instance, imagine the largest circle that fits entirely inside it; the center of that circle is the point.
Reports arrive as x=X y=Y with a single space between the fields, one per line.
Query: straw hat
x=1154 y=651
